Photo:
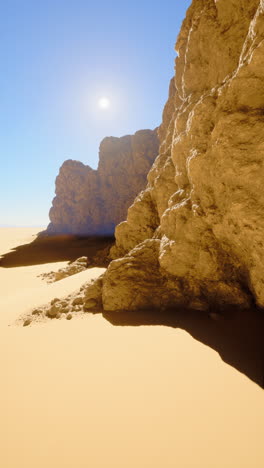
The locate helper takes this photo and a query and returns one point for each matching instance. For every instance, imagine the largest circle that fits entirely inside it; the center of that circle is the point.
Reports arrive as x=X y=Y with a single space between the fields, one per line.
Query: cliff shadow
x=237 y=335
x=57 y=248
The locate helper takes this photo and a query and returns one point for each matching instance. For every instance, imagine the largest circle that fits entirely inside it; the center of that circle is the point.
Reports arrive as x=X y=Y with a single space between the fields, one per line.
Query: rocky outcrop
x=80 y=264
x=91 y=202
x=194 y=237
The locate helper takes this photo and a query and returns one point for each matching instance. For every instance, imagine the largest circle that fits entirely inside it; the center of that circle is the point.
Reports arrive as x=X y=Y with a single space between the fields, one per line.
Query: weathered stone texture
x=91 y=201
x=195 y=236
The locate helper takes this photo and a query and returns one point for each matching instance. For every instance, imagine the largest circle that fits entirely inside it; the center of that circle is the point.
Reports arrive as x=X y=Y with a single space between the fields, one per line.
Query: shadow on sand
x=54 y=249
x=238 y=335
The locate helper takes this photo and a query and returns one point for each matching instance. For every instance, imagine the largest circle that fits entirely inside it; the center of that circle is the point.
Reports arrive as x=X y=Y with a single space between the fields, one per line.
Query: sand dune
x=87 y=393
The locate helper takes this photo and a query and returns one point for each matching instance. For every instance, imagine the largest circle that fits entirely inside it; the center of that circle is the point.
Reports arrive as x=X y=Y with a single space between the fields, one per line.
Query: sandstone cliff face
x=195 y=236
x=91 y=201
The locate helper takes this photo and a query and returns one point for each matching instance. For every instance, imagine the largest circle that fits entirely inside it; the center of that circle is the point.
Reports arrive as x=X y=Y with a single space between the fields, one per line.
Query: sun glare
x=104 y=103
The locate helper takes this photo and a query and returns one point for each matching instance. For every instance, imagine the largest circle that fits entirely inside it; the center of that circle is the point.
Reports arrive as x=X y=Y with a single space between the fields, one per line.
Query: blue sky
x=58 y=58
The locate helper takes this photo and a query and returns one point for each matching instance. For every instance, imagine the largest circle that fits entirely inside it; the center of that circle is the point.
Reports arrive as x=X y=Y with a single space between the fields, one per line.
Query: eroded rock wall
x=195 y=236
x=93 y=202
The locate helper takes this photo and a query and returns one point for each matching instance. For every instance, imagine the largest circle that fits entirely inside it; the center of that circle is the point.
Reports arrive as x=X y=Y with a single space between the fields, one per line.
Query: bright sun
x=104 y=103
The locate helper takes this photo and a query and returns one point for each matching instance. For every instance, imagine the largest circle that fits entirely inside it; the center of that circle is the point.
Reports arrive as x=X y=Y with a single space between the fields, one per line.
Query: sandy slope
x=84 y=393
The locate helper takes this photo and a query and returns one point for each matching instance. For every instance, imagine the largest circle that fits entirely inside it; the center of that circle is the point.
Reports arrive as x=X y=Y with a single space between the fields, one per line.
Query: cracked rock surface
x=194 y=236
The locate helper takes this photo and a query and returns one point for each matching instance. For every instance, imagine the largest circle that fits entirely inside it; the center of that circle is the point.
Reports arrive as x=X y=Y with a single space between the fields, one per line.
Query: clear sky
x=58 y=58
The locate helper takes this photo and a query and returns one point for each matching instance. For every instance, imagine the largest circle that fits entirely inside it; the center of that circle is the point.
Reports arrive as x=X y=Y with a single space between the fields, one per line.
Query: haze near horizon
x=75 y=72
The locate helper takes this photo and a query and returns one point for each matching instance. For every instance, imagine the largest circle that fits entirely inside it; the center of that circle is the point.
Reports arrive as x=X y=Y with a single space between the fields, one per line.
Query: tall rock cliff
x=195 y=236
x=91 y=201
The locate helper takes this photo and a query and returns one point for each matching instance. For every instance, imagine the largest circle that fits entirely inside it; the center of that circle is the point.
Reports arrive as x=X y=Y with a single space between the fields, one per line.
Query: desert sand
x=87 y=393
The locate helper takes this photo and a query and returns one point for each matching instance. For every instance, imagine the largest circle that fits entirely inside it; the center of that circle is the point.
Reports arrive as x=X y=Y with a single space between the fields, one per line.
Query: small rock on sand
x=54 y=310
x=77 y=300
x=90 y=304
x=54 y=300
x=26 y=323
x=37 y=311
x=69 y=317
x=82 y=260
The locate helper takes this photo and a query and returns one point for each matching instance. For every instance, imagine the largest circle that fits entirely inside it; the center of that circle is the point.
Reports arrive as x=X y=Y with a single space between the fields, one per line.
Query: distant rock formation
x=195 y=236
x=92 y=202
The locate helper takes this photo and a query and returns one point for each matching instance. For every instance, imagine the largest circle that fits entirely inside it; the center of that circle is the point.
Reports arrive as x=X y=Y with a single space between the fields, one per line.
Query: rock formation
x=80 y=264
x=93 y=202
x=195 y=236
